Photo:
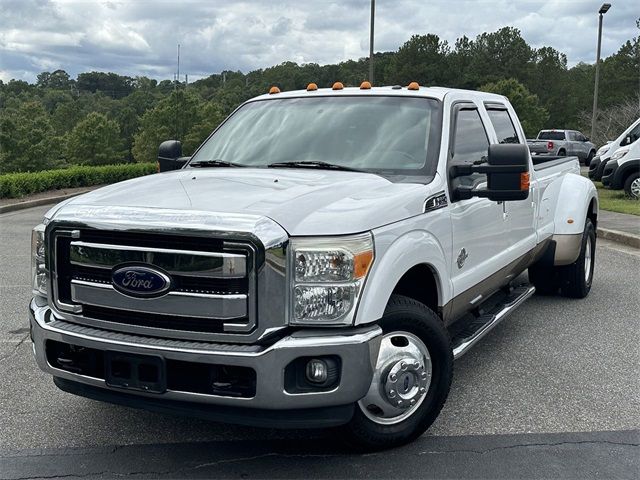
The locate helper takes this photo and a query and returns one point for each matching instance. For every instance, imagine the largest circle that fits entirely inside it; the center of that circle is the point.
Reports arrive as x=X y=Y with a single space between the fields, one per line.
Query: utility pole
x=373 y=14
x=603 y=9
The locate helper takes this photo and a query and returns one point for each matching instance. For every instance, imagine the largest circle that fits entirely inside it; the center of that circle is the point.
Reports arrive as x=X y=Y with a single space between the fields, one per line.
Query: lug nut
x=399 y=403
x=393 y=377
x=423 y=390
x=424 y=375
x=416 y=364
x=403 y=365
x=392 y=393
x=413 y=401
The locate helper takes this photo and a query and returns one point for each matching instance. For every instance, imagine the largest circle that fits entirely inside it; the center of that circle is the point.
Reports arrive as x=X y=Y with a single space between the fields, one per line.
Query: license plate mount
x=145 y=373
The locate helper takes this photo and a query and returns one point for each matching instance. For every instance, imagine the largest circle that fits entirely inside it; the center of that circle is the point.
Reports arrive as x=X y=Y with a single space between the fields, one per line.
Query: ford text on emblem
x=140 y=281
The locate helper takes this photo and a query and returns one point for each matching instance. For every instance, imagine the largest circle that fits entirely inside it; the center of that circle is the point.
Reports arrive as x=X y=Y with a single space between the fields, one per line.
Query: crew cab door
x=520 y=221
x=478 y=227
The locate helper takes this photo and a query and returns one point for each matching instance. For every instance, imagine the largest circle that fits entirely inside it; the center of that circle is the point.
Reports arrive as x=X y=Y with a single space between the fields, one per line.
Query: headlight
x=602 y=150
x=618 y=155
x=39 y=274
x=327 y=278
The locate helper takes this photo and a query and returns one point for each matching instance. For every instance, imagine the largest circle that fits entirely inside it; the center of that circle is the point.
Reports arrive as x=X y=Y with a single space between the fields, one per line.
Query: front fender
x=396 y=255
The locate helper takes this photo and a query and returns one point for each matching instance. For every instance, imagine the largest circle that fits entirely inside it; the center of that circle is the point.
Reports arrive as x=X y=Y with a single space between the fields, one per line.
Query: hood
x=302 y=201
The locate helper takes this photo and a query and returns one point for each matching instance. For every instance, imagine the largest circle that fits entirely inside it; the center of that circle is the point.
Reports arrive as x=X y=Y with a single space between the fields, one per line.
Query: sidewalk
x=619 y=227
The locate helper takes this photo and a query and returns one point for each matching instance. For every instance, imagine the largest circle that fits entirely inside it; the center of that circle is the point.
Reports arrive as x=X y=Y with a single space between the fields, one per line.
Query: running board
x=485 y=323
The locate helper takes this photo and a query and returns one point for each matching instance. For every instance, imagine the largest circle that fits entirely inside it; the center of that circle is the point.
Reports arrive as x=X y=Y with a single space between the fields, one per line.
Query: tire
x=366 y=431
x=562 y=153
x=632 y=186
x=576 y=279
x=544 y=278
x=587 y=160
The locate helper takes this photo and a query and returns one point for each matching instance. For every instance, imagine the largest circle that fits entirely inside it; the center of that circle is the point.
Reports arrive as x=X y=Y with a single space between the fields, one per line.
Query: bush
x=13 y=185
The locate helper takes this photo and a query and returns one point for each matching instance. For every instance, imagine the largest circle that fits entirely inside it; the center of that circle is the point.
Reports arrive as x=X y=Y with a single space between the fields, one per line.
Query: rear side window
x=470 y=144
x=551 y=136
x=502 y=124
x=631 y=137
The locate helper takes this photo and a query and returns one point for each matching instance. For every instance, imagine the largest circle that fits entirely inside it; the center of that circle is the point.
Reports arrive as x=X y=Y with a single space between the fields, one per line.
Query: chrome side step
x=485 y=323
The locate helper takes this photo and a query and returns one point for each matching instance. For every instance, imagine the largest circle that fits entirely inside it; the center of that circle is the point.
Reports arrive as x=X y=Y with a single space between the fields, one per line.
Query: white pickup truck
x=320 y=261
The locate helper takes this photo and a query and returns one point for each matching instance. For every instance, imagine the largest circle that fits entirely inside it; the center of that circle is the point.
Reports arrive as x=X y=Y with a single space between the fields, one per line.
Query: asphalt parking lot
x=554 y=391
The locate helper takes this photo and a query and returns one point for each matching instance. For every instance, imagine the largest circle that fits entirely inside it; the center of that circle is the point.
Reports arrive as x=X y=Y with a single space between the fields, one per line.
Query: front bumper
x=357 y=349
x=608 y=174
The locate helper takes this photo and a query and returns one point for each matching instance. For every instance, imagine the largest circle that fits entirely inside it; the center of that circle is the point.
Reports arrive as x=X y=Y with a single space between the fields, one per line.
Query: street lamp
x=603 y=9
x=373 y=13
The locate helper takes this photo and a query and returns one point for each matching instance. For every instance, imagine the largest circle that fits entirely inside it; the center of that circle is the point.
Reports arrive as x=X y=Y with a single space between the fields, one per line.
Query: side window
x=503 y=125
x=631 y=137
x=470 y=144
x=571 y=136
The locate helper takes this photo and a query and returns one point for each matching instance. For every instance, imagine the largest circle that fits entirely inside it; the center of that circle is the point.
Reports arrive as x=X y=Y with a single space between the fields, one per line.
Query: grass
x=617 y=201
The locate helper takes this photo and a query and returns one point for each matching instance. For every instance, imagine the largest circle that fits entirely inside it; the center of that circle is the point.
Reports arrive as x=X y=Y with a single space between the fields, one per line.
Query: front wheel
x=411 y=380
x=632 y=186
x=587 y=161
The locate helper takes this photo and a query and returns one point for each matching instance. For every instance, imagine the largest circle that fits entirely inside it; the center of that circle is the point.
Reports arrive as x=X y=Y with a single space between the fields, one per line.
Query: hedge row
x=13 y=185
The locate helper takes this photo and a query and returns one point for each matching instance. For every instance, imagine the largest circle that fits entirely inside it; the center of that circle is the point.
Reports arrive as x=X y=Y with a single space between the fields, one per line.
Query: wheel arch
x=623 y=171
x=577 y=200
x=414 y=257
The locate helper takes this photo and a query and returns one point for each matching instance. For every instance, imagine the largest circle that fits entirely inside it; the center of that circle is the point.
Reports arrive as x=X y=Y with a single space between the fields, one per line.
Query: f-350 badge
x=462 y=257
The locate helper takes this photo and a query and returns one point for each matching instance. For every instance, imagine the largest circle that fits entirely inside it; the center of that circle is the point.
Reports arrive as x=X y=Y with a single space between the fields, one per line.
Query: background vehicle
x=629 y=136
x=563 y=143
x=324 y=272
x=622 y=171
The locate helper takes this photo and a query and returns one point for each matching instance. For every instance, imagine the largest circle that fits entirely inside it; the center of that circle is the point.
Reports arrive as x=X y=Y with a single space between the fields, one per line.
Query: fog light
x=317 y=371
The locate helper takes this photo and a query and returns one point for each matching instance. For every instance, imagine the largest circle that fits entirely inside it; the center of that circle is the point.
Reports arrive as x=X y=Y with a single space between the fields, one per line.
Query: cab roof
x=438 y=93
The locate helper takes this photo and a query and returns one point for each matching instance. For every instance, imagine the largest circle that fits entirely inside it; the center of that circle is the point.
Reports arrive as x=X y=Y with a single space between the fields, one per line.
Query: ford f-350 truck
x=320 y=261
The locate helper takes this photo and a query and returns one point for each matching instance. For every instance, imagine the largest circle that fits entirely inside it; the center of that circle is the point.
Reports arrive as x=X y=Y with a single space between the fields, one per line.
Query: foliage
x=616 y=201
x=527 y=105
x=614 y=120
x=94 y=141
x=103 y=117
x=14 y=185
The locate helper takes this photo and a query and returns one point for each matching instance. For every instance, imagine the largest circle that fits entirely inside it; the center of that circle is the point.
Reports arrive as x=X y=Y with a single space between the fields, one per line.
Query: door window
x=470 y=145
x=503 y=125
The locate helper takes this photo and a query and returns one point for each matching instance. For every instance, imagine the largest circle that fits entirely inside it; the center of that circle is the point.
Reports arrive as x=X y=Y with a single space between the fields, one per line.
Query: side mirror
x=507 y=171
x=170 y=156
x=586 y=139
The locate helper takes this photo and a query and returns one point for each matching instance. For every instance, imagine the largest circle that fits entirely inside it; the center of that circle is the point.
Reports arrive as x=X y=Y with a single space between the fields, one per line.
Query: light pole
x=603 y=9
x=373 y=14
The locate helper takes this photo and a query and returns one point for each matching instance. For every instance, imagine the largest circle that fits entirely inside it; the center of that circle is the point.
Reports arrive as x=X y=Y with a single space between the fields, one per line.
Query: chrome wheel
x=635 y=188
x=587 y=261
x=400 y=381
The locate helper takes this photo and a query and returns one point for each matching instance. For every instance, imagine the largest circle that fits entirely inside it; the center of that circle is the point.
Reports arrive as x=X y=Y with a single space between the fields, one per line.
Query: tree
x=94 y=140
x=172 y=118
x=423 y=58
x=532 y=116
x=26 y=138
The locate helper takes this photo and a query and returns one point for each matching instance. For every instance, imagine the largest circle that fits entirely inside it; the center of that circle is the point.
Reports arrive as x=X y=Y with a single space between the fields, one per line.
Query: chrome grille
x=213 y=283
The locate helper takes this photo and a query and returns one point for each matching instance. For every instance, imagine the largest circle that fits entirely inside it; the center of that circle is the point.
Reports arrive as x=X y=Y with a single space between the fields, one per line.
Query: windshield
x=551 y=136
x=372 y=133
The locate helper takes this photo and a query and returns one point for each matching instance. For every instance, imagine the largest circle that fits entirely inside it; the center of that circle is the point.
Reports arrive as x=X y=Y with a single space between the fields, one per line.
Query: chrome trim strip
x=465 y=346
x=183 y=304
x=219 y=264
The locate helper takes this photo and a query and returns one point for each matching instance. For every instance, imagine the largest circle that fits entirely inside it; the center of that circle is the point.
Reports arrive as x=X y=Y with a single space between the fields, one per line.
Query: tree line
x=104 y=118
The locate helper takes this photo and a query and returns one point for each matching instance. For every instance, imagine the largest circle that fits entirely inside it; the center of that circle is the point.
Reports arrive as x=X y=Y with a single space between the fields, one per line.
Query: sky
x=140 y=37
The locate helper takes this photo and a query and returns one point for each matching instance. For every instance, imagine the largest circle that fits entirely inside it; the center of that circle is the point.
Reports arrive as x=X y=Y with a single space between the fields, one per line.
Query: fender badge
x=462 y=257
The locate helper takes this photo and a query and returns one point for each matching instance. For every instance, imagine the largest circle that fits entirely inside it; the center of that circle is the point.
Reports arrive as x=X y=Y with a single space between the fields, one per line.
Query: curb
x=617 y=236
x=12 y=207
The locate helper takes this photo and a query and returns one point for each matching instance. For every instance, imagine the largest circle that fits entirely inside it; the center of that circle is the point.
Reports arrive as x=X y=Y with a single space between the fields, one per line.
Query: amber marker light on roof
x=312 y=87
x=413 y=86
x=273 y=90
x=365 y=85
x=337 y=86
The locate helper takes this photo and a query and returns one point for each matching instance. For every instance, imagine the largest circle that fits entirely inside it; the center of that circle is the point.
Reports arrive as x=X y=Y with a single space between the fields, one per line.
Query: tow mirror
x=507 y=171
x=170 y=156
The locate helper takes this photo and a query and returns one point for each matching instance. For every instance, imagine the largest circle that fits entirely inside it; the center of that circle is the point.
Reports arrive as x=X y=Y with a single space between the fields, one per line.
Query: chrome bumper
x=357 y=348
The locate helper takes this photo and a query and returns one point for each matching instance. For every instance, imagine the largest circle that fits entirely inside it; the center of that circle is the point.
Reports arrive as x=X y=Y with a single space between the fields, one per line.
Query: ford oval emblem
x=140 y=281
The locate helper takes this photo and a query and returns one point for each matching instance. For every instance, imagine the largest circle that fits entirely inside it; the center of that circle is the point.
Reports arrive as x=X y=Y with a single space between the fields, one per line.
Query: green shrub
x=13 y=185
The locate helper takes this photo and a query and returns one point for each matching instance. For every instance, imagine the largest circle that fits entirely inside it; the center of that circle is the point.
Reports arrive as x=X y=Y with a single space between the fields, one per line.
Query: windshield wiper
x=312 y=164
x=215 y=163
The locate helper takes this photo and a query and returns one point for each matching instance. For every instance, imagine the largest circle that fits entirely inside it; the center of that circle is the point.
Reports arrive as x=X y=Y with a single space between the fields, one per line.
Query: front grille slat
x=211 y=283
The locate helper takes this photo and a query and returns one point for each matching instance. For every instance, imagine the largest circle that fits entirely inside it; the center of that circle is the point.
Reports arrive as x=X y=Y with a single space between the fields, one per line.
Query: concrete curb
x=12 y=207
x=617 y=236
